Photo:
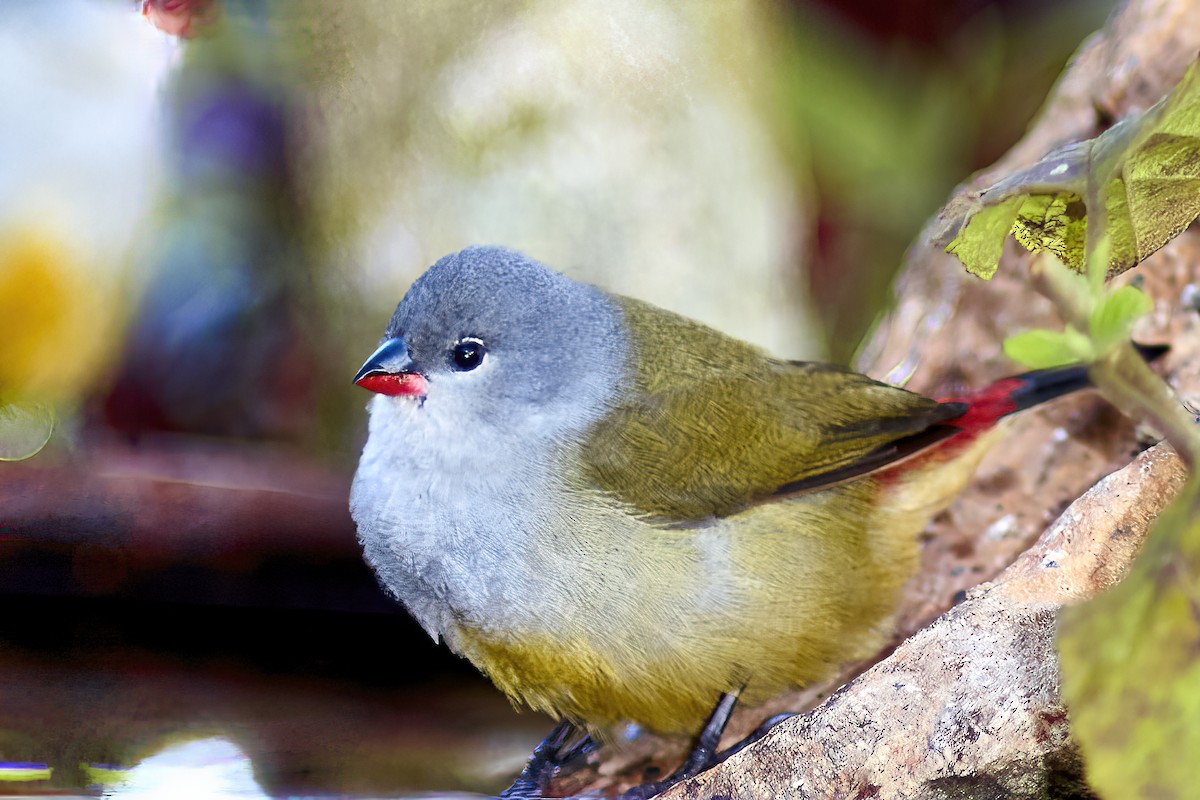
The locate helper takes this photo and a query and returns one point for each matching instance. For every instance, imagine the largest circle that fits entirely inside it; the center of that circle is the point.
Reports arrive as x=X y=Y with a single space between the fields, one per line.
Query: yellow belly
x=777 y=597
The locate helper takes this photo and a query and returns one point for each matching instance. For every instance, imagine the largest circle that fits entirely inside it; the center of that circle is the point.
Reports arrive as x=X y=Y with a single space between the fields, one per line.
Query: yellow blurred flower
x=58 y=324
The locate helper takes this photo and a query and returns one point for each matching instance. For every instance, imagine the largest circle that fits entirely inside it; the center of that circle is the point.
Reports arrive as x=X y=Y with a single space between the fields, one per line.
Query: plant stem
x=1126 y=381
x=1121 y=374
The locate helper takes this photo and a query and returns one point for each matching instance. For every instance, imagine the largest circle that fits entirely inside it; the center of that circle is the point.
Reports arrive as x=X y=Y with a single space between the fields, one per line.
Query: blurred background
x=208 y=211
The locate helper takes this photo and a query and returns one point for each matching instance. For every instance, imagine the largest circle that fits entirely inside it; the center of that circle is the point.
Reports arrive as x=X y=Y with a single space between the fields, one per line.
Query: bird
x=620 y=514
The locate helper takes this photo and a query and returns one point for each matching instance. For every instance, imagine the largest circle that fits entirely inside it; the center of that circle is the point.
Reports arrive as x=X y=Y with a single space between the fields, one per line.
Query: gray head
x=493 y=334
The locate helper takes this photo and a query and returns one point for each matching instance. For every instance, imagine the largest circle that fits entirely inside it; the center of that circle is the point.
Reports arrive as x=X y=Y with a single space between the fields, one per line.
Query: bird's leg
x=553 y=752
x=755 y=735
x=703 y=755
x=546 y=759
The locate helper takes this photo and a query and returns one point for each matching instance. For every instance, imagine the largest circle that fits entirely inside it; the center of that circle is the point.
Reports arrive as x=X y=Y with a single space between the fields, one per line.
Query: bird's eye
x=467 y=354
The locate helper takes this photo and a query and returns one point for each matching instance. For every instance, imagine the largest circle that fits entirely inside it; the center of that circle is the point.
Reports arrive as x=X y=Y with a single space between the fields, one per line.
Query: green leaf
x=25 y=428
x=1131 y=667
x=1113 y=316
x=1043 y=349
x=1053 y=223
x=1145 y=170
x=979 y=247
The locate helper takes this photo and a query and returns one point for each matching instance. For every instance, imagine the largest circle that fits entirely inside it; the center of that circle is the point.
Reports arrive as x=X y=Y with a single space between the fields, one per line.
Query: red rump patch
x=402 y=384
x=986 y=407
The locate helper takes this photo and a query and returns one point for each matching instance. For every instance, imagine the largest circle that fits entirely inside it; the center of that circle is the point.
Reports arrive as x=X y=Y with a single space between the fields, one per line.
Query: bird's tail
x=1010 y=395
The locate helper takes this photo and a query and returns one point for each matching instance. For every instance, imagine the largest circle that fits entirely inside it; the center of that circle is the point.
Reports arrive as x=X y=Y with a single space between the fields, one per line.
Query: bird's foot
x=554 y=752
x=705 y=754
x=755 y=735
x=547 y=758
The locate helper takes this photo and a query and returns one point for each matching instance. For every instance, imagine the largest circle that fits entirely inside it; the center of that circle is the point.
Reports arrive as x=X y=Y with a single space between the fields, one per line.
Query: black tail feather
x=1046 y=384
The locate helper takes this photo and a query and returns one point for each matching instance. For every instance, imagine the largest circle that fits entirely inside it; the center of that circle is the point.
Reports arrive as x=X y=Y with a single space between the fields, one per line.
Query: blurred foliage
x=623 y=142
x=887 y=122
x=713 y=158
x=1131 y=666
x=1140 y=180
x=216 y=345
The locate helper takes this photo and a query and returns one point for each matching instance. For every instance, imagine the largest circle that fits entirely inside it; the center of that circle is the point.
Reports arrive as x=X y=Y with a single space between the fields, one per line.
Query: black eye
x=467 y=354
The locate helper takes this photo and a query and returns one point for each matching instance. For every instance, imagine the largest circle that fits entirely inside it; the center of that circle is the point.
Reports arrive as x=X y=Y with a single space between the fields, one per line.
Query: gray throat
x=451 y=522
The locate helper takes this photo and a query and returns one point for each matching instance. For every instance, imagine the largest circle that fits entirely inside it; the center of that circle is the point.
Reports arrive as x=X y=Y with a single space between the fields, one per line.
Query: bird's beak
x=391 y=371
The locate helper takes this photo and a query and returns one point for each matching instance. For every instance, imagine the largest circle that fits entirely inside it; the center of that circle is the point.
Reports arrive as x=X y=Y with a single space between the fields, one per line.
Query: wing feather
x=711 y=425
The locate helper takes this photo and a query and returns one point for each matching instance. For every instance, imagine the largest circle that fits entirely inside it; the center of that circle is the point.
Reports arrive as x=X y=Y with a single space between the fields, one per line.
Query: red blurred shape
x=183 y=18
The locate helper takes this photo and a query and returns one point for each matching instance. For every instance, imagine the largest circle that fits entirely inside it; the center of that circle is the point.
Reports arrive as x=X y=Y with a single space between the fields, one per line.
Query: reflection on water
x=178 y=588
x=320 y=703
x=203 y=769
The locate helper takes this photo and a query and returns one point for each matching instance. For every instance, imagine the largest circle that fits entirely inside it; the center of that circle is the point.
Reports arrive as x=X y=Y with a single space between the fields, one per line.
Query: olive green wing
x=711 y=425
